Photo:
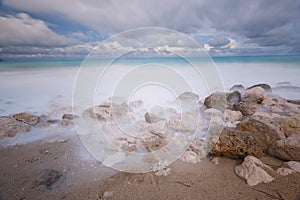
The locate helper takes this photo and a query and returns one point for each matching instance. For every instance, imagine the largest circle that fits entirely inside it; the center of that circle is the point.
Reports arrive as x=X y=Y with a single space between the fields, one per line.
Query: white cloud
x=26 y=31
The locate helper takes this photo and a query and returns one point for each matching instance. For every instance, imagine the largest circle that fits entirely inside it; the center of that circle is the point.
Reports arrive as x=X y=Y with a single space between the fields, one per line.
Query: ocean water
x=43 y=86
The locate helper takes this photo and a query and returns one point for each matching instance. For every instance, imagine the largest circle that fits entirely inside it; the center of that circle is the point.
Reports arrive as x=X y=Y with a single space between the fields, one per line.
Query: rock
x=199 y=147
x=250 y=101
x=239 y=88
x=261 y=129
x=156 y=114
x=246 y=108
x=289 y=168
x=45 y=121
x=27 y=118
x=255 y=94
x=153 y=142
x=232 y=99
x=102 y=112
x=294 y=166
x=10 y=127
x=232 y=116
x=190 y=157
x=287 y=149
x=266 y=87
x=162 y=168
x=186 y=122
x=253 y=171
x=237 y=144
x=222 y=100
x=215 y=160
x=68 y=119
x=291 y=126
x=158 y=128
x=283 y=171
x=47 y=177
x=297 y=102
x=212 y=112
x=284 y=83
x=216 y=100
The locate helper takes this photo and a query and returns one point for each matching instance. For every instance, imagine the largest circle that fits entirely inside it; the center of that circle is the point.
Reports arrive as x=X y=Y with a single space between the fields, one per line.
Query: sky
x=70 y=29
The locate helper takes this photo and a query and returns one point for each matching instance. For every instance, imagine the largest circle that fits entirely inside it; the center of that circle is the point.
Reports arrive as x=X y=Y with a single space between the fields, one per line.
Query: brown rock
x=10 y=127
x=222 y=100
x=153 y=143
x=68 y=119
x=237 y=144
x=287 y=149
x=291 y=126
x=27 y=118
x=98 y=112
x=262 y=129
x=246 y=108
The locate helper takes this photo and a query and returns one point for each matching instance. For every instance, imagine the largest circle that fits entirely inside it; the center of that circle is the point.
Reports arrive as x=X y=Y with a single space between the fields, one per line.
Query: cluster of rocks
x=20 y=123
x=264 y=124
x=243 y=123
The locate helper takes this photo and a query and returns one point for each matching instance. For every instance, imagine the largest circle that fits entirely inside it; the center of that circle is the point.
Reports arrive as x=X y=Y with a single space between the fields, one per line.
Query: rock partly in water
x=222 y=100
x=10 y=127
x=266 y=87
x=287 y=149
x=47 y=177
x=216 y=100
x=68 y=119
x=102 y=112
x=239 y=88
x=27 y=118
x=237 y=144
x=152 y=142
x=253 y=171
x=45 y=121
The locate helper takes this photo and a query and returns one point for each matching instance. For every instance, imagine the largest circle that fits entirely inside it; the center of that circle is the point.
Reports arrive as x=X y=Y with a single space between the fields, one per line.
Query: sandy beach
x=21 y=164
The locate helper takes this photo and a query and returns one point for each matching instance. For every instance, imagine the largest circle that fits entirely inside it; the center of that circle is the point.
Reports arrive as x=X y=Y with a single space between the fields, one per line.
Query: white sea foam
x=40 y=89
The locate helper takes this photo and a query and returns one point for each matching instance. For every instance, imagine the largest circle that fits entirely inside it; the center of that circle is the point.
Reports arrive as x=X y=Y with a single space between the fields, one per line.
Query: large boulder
x=237 y=144
x=27 y=118
x=287 y=149
x=10 y=127
x=262 y=129
x=254 y=171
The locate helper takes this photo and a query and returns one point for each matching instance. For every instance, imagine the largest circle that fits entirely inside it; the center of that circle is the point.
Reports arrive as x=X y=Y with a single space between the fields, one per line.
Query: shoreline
x=77 y=175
